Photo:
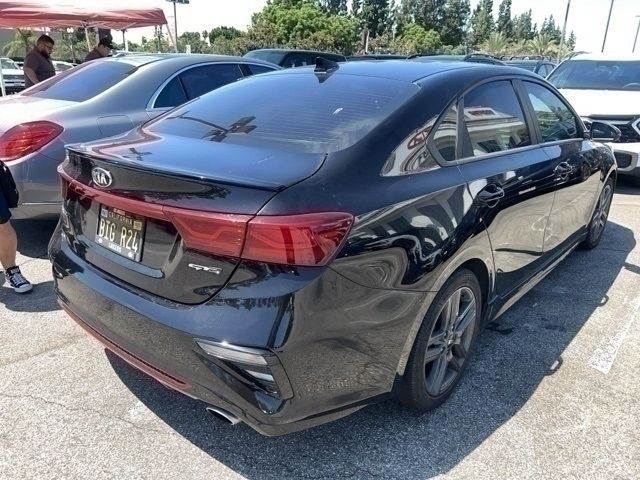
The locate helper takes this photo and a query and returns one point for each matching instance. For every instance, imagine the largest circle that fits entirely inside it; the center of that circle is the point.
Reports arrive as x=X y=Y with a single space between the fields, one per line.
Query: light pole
x=636 y=39
x=604 y=40
x=564 y=29
x=175 y=17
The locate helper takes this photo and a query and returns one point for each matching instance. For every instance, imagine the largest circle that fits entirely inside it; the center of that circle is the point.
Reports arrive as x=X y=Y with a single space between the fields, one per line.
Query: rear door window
x=172 y=95
x=554 y=118
x=494 y=119
x=82 y=82
x=299 y=60
x=258 y=69
x=200 y=80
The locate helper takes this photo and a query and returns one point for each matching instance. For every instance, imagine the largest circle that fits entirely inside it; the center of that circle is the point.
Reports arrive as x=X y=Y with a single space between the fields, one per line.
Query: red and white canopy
x=37 y=14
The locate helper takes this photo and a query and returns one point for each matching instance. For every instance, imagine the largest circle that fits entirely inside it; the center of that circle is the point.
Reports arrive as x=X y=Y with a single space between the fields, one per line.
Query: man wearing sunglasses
x=37 y=64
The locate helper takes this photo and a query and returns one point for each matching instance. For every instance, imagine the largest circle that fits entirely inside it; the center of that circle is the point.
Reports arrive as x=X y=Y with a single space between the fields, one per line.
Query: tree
x=550 y=29
x=505 y=23
x=198 y=45
x=482 y=22
x=416 y=39
x=302 y=24
x=453 y=26
x=543 y=45
x=523 y=27
x=22 y=41
x=224 y=32
x=571 y=43
x=496 y=44
x=376 y=16
x=333 y=7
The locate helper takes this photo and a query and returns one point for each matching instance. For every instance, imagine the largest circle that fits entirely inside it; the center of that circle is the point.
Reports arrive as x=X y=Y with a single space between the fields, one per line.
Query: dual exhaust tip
x=223 y=415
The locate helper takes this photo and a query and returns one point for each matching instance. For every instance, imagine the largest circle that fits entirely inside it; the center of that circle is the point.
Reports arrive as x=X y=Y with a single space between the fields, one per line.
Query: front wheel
x=444 y=343
x=600 y=216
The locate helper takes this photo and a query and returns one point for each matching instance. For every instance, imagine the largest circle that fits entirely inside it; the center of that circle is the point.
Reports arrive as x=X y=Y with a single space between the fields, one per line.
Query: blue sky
x=587 y=18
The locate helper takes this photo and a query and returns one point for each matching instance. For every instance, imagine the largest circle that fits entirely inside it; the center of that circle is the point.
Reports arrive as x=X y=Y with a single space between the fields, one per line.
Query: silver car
x=94 y=100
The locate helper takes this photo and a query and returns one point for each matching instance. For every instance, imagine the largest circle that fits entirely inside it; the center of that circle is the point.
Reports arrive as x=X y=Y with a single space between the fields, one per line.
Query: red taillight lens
x=218 y=233
x=307 y=239
x=27 y=138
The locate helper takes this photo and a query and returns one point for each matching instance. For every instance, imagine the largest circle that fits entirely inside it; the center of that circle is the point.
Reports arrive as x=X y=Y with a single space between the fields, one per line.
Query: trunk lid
x=173 y=187
x=17 y=109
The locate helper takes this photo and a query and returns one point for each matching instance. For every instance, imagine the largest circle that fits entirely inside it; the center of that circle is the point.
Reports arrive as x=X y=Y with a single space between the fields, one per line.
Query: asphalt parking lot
x=552 y=392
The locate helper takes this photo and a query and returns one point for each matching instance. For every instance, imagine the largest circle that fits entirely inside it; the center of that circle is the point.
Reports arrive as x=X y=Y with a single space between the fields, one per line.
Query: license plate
x=121 y=232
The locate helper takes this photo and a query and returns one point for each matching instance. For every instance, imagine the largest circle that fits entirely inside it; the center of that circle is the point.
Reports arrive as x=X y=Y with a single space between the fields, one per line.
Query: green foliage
x=376 y=16
x=542 y=44
x=453 y=25
x=416 y=39
x=21 y=43
x=482 y=23
x=302 y=24
x=523 y=27
x=497 y=44
x=550 y=29
x=228 y=33
x=198 y=45
x=333 y=7
x=505 y=22
x=571 y=43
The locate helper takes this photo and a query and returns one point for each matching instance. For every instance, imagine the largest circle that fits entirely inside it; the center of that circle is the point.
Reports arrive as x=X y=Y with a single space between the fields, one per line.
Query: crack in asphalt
x=85 y=410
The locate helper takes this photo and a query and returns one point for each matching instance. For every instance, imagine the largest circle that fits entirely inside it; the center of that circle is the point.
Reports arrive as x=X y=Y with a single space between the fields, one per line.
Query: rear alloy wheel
x=600 y=216
x=444 y=343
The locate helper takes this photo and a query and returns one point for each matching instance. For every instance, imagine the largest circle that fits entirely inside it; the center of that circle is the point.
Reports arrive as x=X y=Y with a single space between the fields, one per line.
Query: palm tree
x=496 y=44
x=521 y=47
x=543 y=45
x=22 y=40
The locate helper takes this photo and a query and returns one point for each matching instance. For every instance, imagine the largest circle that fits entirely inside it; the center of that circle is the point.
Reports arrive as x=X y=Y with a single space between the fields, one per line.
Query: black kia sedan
x=299 y=244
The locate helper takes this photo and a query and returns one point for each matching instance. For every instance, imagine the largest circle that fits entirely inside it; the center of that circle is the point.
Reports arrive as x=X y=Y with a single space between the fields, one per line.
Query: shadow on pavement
x=628 y=186
x=512 y=357
x=33 y=236
x=40 y=299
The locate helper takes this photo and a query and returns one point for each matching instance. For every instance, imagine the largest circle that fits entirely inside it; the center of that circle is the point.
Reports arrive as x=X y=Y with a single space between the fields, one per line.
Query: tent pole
x=4 y=91
x=124 y=41
x=86 y=35
x=175 y=44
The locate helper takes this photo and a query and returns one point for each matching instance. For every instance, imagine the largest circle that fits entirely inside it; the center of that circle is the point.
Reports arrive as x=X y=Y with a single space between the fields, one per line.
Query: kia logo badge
x=101 y=177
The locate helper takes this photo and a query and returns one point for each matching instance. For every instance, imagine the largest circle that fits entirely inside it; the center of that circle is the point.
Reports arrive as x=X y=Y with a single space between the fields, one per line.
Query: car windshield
x=301 y=112
x=597 y=75
x=8 y=64
x=83 y=82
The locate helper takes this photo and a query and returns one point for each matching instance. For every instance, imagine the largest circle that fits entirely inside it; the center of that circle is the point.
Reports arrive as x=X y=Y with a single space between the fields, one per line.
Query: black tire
x=419 y=387
x=598 y=222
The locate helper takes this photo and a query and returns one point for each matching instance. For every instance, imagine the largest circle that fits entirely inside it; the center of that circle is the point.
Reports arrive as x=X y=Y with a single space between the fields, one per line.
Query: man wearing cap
x=103 y=49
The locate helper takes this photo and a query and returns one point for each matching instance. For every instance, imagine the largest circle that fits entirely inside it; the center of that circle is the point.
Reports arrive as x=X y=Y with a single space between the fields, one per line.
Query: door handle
x=563 y=170
x=490 y=195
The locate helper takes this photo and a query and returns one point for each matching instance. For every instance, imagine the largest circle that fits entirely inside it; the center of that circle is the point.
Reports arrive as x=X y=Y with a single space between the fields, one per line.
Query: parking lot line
x=604 y=356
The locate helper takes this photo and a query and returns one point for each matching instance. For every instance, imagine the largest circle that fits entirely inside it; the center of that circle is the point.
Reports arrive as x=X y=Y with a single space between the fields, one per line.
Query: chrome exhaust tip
x=223 y=415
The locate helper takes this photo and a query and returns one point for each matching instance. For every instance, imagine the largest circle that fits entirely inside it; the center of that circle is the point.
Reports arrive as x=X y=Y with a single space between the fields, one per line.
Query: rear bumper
x=328 y=379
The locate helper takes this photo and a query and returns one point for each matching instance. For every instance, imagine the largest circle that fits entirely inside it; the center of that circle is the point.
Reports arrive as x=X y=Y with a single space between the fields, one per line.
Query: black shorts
x=5 y=213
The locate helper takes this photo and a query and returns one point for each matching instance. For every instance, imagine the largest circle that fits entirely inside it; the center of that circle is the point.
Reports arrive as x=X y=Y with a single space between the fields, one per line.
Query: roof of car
x=404 y=70
x=178 y=59
x=291 y=50
x=623 y=57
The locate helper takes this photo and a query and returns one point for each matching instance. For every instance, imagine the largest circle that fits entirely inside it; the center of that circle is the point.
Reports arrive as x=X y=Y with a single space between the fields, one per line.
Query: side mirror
x=604 y=132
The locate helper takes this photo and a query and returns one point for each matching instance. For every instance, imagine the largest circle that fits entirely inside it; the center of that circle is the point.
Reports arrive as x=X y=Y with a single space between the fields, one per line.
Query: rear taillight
x=307 y=239
x=27 y=138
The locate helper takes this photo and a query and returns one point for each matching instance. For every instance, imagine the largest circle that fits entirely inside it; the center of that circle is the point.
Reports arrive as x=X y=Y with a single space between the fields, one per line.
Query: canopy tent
x=38 y=14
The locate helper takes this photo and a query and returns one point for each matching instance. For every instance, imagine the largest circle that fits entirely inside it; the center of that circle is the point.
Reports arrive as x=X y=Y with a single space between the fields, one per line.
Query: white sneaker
x=17 y=281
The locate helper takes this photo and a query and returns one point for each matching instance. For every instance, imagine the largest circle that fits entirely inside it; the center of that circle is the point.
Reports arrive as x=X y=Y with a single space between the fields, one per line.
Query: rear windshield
x=83 y=82
x=597 y=75
x=300 y=112
x=267 y=56
x=526 y=65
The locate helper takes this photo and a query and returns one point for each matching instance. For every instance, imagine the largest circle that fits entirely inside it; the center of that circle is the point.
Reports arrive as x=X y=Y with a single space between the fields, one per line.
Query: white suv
x=606 y=88
x=12 y=75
